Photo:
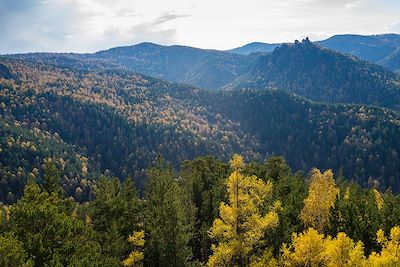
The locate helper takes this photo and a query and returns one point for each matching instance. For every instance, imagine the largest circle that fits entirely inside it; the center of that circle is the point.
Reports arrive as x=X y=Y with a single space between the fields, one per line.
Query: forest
x=209 y=213
x=104 y=166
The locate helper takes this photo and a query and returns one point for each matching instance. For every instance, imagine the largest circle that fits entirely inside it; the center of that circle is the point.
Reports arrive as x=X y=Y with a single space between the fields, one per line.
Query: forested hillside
x=119 y=121
x=373 y=48
x=209 y=69
x=302 y=68
x=320 y=74
x=380 y=49
x=103 y=166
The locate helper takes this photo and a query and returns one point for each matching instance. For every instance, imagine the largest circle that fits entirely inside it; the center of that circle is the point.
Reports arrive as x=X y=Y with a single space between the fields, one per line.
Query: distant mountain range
x=256 y=47
x=303 y=68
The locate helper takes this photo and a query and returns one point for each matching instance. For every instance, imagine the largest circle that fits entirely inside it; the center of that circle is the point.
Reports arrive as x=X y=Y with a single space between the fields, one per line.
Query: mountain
x=302 y=68
x=373 y=48
x=392 y=61
x=256 y=47
x=115 y=122
x=377 y=49
x=209 y=69
x=321 y=74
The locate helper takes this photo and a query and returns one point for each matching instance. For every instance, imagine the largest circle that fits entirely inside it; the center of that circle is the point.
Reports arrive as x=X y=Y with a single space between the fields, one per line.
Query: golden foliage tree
x=307 y=249
x=322 y=193
x=390 y=254
x=241 y=223
x=311 y=249
x=136 y=256
x=343 y=252
x=378 y=198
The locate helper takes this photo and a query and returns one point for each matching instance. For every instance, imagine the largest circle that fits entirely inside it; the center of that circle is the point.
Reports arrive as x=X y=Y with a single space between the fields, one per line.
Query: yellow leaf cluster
x=135 y=257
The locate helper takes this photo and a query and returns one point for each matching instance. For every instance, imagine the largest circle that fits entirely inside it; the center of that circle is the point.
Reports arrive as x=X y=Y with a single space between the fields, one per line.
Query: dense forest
x=294 y=162
x=115 y=122
x=209 y=213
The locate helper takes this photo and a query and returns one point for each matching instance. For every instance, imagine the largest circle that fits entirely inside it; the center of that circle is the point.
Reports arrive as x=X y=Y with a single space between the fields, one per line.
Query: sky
x=93 y=25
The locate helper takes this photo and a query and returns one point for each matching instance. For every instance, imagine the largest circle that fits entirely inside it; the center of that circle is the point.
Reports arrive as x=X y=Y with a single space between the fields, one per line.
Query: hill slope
x=203 y=68
x=320 y=74
x=119 y=121
x=302 y=68
x=373 y=48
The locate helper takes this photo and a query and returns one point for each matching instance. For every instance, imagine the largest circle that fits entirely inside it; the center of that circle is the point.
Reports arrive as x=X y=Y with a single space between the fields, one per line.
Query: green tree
x=50 y=236
x=204 y=178
x=12 y=252
x=168 y=219
x=51 y=178
x=115 y=212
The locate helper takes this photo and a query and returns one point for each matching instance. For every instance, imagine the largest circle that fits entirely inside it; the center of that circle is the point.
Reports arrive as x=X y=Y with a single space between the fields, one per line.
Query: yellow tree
x=378 y=199
x=390 y=254
x=343 y=252
x=241 y=223
x=307 y=249
x=322 y=193
x=136 y=256
x=311 y=249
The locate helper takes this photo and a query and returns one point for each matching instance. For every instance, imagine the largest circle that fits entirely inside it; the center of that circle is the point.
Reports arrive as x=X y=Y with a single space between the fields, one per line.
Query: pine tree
x=51 y=178
x=114 y=214
x=168 y=219
x=242 y=223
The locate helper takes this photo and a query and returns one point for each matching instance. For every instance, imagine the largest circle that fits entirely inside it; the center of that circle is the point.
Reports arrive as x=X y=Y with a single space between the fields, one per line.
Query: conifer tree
x=51 y=178
x=242 y=223
x=168 y=219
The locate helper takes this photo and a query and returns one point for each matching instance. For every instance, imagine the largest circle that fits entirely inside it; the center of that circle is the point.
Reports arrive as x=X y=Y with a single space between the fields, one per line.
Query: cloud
x=91 y=25
x=168 y=16
x=394 y=27
x=352 y=4
x=79 y=25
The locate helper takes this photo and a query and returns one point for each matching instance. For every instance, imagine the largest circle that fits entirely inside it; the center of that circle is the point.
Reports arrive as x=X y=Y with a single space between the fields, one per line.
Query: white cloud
x=394 y=27
x=90 y=25
x=352 y=4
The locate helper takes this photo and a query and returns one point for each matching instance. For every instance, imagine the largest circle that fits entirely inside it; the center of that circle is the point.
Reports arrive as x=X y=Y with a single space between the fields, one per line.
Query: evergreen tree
x=168 y=219
x=51 y=178
x=114 y=214
x=50 y=236
x=204 y=178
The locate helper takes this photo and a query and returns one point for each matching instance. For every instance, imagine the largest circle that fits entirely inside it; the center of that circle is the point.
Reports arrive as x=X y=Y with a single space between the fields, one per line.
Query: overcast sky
x=91 y=25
